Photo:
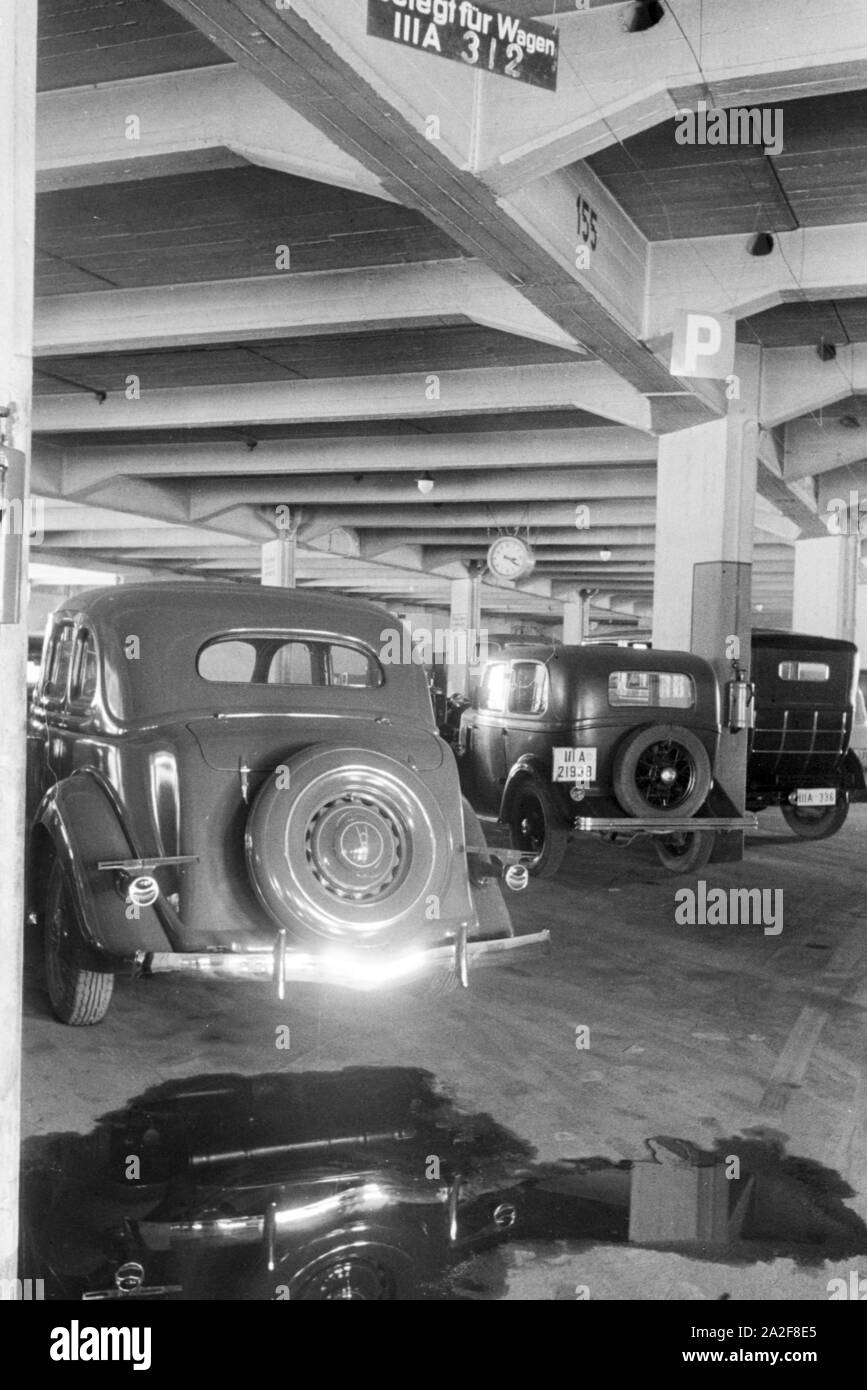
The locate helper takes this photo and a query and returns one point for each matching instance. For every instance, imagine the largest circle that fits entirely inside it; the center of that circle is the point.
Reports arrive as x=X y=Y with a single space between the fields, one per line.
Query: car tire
x=661 y=770
x=347 y=845
x=536 y=827
x=367 y=1273
x=685 y=852
x=816 y=822
x=78 y=997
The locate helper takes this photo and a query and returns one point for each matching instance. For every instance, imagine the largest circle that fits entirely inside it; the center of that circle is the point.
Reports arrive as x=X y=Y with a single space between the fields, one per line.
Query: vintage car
x=318 y=1186
x=561 y=734
x=801 y=756
x=228 y=780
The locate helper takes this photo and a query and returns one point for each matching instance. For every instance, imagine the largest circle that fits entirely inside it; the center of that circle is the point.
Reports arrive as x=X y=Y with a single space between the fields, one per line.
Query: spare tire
x=345 y=844
x=661 y=770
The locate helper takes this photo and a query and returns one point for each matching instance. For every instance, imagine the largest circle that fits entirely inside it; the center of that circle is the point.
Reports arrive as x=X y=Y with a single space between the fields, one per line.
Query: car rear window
x=528 y=690
x=492 y=692
x=804 y=671
x=662 y=689
x=279 y=661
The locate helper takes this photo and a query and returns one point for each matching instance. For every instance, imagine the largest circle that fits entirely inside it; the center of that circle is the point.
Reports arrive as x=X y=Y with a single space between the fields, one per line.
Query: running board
x=672 y=825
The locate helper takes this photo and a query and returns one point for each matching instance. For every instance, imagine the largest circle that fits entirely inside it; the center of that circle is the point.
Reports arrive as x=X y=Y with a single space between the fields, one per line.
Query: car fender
x=528 y=765
x=78 y=823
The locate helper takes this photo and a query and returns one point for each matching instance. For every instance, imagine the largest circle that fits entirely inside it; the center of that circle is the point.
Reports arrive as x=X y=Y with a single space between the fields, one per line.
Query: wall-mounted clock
x=510 y=558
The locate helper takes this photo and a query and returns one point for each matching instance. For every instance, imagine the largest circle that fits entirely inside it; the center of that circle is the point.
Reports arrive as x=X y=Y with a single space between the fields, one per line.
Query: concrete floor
x=697 y=1032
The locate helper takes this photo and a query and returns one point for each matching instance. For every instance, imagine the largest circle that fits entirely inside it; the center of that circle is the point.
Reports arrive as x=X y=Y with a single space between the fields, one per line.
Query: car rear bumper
x=348 y=969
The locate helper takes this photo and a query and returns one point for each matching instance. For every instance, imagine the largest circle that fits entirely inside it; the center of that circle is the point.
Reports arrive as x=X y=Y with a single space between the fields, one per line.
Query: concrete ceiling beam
x=613 y=84
x=418 y=396
x=718 y=275
x=287 y=305
x=175 y=122
x=453 y=517
x=93 y=466
x=795 y=381
x=816 y=446
x=375 y=100
x=584 y=485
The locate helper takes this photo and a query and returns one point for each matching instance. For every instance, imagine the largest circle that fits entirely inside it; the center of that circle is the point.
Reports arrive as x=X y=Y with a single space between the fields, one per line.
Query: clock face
x=509 y=558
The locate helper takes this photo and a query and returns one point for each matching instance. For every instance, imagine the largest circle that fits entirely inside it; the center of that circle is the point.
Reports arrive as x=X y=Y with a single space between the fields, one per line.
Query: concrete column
x=704 y=543
x=465 y=622
x=17 y=159
x=576 y=616
x=278 y=562
x=824 y=601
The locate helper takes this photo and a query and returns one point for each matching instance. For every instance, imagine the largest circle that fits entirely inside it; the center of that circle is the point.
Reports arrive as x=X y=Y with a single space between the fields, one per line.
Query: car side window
x=492 y=691
x=814 y=671
x=662 y=689
x=528 y=688
x=231 y=662
x=59 y=662
x=83 y=686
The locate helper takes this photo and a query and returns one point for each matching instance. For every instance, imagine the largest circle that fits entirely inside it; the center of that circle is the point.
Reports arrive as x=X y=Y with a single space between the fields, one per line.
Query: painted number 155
x=587 y=223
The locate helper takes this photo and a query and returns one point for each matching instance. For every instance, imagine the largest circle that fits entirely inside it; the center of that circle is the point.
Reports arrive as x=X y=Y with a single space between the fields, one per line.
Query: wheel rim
x=358 y=850
x=665 y=775
x=356 y=1281
x=530 y=825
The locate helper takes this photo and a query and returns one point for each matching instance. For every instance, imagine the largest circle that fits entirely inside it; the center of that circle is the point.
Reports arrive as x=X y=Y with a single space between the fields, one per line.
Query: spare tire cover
x=346 y=844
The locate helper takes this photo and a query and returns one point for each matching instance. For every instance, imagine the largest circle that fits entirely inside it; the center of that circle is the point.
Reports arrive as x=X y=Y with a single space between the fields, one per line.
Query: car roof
x=775 y=638
x=586 y=659
x=174 y=602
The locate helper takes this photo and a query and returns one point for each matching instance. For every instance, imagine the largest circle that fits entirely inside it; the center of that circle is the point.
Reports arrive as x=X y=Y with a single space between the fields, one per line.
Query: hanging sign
x=481 y=38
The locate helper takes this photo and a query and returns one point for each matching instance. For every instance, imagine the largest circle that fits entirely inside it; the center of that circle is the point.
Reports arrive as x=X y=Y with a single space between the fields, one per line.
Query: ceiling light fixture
x=645 y=14
x=425 y=484
x=762 y=244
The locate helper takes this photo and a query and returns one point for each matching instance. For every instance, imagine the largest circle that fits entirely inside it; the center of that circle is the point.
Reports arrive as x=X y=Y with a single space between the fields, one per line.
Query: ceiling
x=673 y=190
x=136 y=488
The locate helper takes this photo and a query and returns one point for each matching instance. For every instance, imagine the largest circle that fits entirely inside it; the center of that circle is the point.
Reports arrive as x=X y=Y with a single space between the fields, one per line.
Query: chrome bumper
x=348 y=969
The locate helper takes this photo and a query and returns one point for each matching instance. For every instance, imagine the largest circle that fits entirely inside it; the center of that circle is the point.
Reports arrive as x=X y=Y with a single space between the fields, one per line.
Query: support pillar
x=706 y=493
x=17 y=159
x=465 y=623
x=824 y=601
x=278 y=562
x=576 y=618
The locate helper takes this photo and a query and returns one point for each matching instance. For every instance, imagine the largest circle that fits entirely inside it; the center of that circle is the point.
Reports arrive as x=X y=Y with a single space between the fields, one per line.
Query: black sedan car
x=230 y=781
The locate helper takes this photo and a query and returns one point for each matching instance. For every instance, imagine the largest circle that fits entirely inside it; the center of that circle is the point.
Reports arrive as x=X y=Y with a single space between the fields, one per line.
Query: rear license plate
x=574 y=764
x=816 y=796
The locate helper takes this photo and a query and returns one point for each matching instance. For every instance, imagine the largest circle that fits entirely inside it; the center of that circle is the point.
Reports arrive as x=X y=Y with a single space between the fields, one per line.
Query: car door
x=483 y=739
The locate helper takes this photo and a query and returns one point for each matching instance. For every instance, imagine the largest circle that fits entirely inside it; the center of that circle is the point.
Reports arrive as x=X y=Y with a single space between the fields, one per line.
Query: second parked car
x=576 y=731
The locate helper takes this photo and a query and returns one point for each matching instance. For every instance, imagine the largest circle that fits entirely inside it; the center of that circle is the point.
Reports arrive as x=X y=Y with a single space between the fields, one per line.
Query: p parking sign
x=703 y=346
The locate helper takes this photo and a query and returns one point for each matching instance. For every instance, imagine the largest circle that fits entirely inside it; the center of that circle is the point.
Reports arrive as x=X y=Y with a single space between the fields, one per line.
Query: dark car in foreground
x=801 y=756
x=360 y=1185
x=559 y=736
x=228 y=781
